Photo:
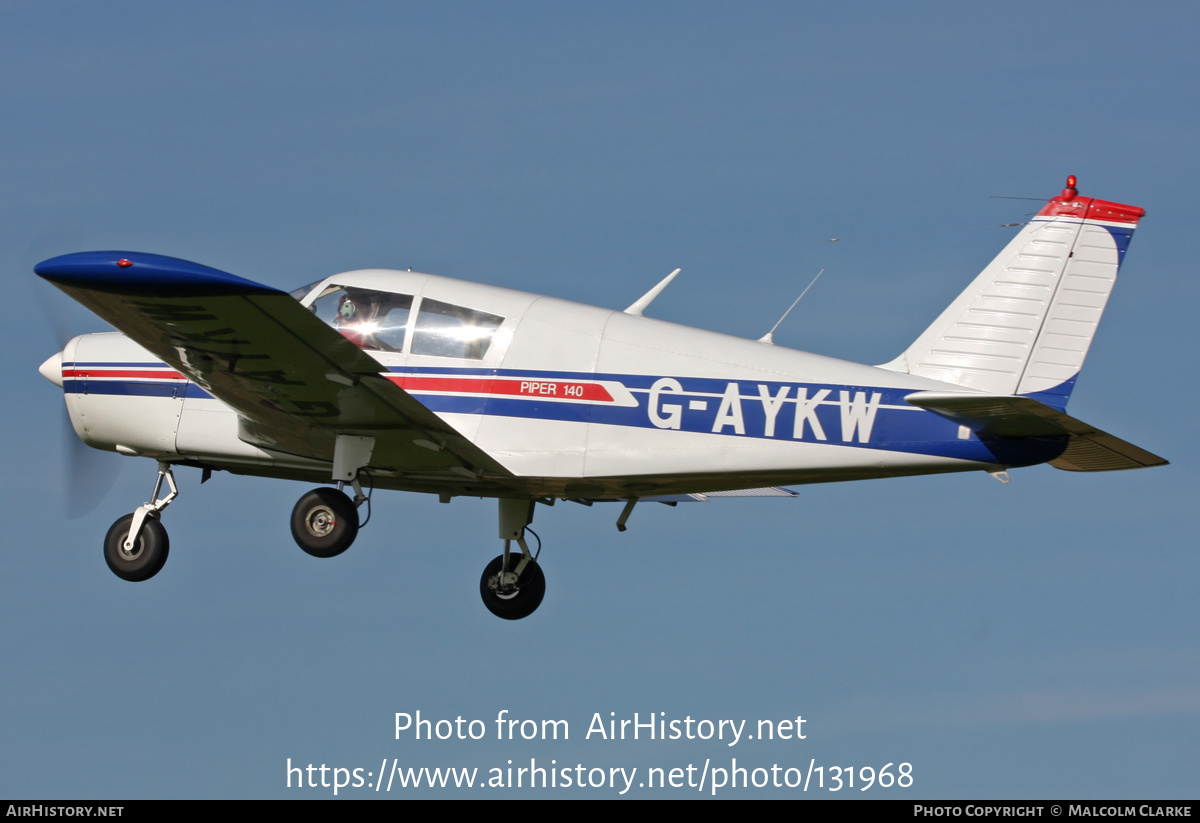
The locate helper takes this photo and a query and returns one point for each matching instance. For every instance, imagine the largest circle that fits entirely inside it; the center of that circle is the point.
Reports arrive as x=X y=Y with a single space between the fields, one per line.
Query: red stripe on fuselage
x=512 y=387
x=516 y=387
x=134 y=374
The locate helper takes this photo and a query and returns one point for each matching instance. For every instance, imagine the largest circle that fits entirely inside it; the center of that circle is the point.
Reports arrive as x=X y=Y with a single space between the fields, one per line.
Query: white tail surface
x=1025 y=323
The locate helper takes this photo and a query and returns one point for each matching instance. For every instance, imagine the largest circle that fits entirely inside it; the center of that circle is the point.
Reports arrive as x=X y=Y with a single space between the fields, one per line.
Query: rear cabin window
x=381 y=321
x=452 y=331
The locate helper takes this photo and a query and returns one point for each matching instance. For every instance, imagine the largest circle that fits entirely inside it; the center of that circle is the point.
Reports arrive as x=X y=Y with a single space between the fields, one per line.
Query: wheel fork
x=155 y=505
x=509 y=576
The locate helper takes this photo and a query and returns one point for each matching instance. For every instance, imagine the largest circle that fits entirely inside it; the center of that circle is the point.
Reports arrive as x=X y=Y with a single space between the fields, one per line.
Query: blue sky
x=1030 y=640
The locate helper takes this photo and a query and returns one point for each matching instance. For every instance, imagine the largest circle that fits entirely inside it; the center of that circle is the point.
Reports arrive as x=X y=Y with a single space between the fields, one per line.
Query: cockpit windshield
x=302 y=292
x=380 y=321
x=368 y=318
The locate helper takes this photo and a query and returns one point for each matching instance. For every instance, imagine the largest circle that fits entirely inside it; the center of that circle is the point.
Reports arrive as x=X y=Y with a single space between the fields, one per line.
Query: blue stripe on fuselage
x=134 y=388
x=857 y=416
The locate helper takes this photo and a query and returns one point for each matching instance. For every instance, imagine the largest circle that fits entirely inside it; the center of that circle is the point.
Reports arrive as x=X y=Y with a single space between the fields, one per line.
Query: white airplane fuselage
x=576 y=401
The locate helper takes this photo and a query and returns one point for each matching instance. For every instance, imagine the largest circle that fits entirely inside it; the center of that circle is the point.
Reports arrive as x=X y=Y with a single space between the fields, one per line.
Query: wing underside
x=295 y=383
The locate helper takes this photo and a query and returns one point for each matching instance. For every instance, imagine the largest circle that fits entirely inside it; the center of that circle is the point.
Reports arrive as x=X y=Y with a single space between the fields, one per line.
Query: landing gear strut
x=136 y=546
x=513 y=585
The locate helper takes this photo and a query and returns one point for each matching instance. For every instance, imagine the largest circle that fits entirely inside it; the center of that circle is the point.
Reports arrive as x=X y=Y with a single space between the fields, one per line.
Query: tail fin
x=1025 y=323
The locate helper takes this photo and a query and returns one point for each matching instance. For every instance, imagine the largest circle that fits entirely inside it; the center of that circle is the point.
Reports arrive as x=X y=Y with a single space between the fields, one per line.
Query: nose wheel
x=145 y=558
x=136 y=546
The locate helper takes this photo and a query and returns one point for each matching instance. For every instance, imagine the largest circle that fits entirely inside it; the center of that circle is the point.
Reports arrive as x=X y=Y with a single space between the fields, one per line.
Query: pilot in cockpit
x=355 y=320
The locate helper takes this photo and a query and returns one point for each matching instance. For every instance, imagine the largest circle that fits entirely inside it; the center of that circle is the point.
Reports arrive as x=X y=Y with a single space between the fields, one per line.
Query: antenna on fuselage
x=769 y=337
x=646 y=299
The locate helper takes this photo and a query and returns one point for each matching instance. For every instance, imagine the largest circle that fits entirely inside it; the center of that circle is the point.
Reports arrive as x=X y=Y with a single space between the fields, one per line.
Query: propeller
x=88 y=474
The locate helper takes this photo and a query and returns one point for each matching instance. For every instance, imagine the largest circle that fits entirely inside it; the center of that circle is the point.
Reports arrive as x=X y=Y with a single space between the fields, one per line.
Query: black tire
x=324 y=522
x=524 y=601
x=148 y=555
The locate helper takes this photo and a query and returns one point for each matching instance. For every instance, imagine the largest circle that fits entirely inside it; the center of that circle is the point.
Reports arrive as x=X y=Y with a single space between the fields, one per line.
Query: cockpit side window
x=444 y=330
x=368 y=318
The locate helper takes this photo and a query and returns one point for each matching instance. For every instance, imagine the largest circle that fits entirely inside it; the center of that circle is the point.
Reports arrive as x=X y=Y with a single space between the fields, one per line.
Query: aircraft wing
x=295 y=382
x=1089 y=450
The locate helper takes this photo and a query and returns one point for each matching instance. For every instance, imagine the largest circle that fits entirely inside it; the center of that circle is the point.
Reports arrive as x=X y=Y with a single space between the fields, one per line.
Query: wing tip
x=130 y=272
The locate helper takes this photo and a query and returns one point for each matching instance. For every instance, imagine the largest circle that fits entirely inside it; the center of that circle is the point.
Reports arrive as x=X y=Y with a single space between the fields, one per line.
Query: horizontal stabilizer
x=1090 y=450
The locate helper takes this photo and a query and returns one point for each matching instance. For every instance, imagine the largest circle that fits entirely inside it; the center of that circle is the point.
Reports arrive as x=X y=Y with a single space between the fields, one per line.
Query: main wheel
x=149 y=550
x=521 y=601
x=324 y=522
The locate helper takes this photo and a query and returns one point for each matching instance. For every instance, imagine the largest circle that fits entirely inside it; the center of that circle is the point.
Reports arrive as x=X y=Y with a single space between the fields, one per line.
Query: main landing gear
x=136 y=546
x=513 y=585
x=325 y=521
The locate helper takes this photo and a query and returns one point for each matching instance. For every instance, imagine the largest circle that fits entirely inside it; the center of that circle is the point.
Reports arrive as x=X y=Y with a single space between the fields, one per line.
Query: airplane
x=380 y=379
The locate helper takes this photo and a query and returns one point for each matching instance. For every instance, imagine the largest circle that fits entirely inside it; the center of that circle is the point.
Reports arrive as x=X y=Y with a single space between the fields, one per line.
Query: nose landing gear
x=148 y=554
x=136 y=546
